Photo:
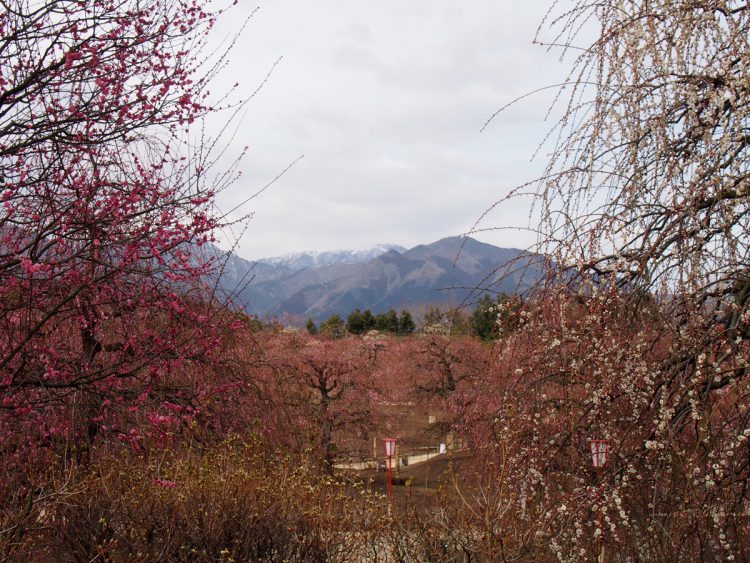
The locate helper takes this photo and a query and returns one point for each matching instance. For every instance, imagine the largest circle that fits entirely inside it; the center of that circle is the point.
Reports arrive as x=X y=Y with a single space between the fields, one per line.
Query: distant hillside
x=449 y=271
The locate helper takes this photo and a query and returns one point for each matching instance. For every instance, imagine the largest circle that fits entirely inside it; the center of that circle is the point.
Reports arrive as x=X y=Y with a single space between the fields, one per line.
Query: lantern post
x=390 y=451
x=599 y=451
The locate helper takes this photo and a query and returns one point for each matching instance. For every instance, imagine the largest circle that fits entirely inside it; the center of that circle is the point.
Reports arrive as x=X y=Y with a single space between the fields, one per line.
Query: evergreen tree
x=368 y=320
x=393 y=324
x=311 y=328
x=406 y=323
x=387 y=322
x=380 y=322
x=333 y=327
x=355 y=322
x=484 y=319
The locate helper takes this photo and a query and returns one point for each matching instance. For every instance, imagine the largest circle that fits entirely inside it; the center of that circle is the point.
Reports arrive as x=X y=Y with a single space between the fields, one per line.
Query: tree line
x=490 y=319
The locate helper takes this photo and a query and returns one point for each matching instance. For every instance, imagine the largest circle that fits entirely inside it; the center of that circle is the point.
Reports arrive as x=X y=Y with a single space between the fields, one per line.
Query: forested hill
x=446 y=272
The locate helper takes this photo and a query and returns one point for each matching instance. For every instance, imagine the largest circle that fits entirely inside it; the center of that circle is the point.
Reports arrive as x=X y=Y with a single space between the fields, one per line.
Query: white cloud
x=385 y=100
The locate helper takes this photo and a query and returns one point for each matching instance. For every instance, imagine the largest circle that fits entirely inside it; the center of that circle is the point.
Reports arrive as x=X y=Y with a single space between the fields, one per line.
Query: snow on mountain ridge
x=318 y=259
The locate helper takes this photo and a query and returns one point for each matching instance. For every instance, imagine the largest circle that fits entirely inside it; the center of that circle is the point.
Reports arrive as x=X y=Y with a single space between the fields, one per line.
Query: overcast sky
x=385 y=100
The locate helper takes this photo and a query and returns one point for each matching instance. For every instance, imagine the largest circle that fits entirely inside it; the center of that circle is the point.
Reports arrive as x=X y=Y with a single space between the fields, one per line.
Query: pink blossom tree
x=105 y=201
x=317 y=392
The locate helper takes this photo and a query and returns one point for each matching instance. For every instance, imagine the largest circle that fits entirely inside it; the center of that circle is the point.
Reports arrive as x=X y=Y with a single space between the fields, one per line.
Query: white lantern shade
x=390 y=446
x=599 y=450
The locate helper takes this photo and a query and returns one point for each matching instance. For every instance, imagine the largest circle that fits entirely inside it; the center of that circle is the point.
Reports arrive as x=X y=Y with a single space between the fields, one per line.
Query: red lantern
x=599 y=450
x=390 y=451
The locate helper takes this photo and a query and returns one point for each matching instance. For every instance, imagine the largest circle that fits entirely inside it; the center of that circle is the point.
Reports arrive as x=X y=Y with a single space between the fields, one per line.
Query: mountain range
x=310 y=259
x=451 y=272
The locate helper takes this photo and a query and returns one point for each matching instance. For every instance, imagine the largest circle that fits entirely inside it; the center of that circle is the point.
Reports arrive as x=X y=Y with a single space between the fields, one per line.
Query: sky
x=384 y=102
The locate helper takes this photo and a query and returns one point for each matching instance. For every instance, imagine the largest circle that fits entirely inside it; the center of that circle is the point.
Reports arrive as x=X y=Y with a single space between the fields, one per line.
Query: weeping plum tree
x=650 y=181
x=645 y=203
x=104 y=201
x=320 y=388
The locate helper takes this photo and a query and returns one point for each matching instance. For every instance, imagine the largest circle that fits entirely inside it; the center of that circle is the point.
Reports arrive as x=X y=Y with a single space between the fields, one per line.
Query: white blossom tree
x=644 y=204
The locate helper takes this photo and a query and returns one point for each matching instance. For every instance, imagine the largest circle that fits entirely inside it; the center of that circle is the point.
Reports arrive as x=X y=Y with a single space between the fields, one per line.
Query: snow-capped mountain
x=300 y=260
x=316 y=285
x=450 y=271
